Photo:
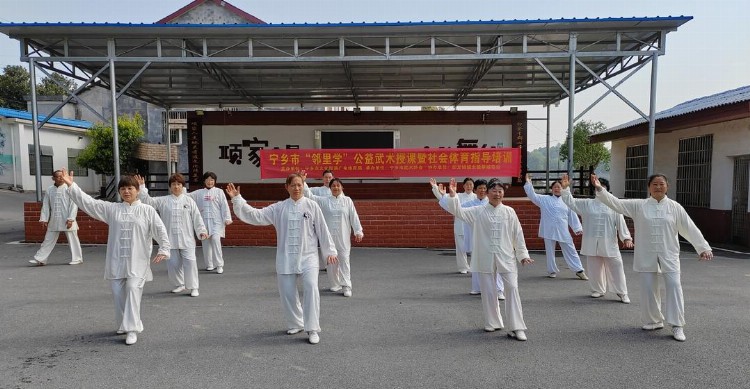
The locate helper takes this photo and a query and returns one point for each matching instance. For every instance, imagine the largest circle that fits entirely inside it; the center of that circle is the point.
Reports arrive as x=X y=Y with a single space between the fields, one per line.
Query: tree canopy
x=55 y=85
x=585 y=153
x=14 y=86
x=99 y=155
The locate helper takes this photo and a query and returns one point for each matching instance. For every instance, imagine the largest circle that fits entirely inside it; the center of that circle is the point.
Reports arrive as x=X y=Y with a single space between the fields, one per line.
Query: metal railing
x=579 y=182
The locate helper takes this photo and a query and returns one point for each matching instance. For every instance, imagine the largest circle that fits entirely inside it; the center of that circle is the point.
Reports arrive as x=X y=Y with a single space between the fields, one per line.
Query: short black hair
x=206 y=175
x=479 y=183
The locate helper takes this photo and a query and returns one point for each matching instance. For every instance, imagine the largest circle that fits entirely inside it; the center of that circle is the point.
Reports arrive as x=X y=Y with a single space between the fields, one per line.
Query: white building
x=60 y=139
x=703 y=147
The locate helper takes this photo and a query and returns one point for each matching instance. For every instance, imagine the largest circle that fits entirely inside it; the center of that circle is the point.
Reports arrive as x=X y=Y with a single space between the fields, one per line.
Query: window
x=636 y=172
x=175 y=121
x=45 y=160
x=694 y=171
x=73 y=165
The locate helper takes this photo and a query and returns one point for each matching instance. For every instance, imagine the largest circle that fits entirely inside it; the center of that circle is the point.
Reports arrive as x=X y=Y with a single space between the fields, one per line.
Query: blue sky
x=709 y=54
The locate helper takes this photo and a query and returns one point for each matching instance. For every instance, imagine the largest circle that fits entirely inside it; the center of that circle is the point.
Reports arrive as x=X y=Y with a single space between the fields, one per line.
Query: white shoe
x=475 y=292
x=596 y=295
x=653 y=326
x=120 y=332
x=210 y=268
x=678 y=334
x=314 y=338
x=500 y=295
x=347 y=291
x=624 y=298
x=490 y=329
x=37 y=263
x=179 y=289
x=336 y=288
x=518 y=335
x=220 y=270
x=76 y=262
x=293 y=331
x=462 y=272
x=552 y=275
x=582 y=275
x=194 y=293
x=131 y=338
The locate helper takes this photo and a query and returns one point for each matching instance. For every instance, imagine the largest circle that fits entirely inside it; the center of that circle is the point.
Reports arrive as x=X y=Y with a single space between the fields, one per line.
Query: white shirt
x=601 y=226
x=468 y=230
x=498 y=242
x=341 y=218
x=180 y=216
x=463 y=197
x=299 y=225
x=214 y=209
x=556 y=216
x=131 y=230
x=657 y=224
x=320 y=190
x=57 y=209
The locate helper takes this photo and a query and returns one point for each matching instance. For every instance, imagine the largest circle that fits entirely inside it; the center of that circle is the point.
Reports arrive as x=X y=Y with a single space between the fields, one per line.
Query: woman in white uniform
x=58 y=215
x=462 y=259
x=132 y=227
x=216 y=216
x=553 y=227
x=183 y=222
x=601 y=227
x=658 y=221
x=498 y=245
x=342 y=219
x=299 y=225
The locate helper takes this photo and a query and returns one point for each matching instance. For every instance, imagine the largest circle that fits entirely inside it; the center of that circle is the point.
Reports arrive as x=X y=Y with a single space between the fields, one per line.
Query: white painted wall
x=731 y=139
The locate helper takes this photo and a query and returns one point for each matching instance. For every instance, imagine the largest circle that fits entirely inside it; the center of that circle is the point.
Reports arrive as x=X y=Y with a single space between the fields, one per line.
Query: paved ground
x=410 y=324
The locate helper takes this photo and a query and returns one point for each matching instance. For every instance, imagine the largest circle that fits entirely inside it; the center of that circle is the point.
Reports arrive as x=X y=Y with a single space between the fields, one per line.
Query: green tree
x=14 y=86
x=585 y=153
x=99 y=155
x=48 y=86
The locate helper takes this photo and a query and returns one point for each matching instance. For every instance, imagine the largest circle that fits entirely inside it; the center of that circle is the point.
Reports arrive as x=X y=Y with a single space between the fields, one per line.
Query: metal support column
x=115 y=131
x=35 y=124
x=546 y=185
x=652 y=113
x=571 y=100
x=168 y=142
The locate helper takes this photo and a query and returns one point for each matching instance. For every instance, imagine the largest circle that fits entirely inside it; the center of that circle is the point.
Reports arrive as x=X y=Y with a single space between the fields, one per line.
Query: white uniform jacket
x=214 y=209
x=601 y=226
x=556 y=216
x=321 y=190
x=341 y=218
x=498 y=242
x=132 y=227
x=180 y=215
x=299 y=225
x=459 y=227
x=58 y=208
x=657 y=224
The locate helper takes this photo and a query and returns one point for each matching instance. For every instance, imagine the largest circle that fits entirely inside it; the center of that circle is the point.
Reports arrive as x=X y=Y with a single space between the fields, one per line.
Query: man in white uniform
x=299 y=225
x=132 y=227
x=553 y=227
x=183 y=221
x=342 y=219
x=216 y=216
x=58 y=215
x=497 y=245
x=324 y=190
x=601 y=226
x=658 y=221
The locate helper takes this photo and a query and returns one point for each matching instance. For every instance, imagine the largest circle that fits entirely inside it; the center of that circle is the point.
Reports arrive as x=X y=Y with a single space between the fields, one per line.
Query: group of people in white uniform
x=496 y=245
x=308 y=221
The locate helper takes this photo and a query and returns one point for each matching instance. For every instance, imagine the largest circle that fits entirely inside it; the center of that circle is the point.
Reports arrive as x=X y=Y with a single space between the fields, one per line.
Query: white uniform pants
x=569 y=253
x=606 y=273
x=491 y=307
x=50 y=240
x=340 y=274
x=212 y=255
x=182 y=268
x=475 y=282
x=651 y=299
x=307 y=314
x=127 y=293
x=462 y=260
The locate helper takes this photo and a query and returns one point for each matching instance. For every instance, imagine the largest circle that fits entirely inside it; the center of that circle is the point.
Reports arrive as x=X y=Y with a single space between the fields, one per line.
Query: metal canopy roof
x=518 y=62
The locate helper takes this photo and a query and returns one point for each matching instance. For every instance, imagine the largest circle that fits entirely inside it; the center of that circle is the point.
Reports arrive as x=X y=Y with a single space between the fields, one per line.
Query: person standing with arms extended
x=342 y=219
x=459 y=236
x=497 y=244
x=132 y=228
x=601 y=226
x=553 y=227
x=214 y=209
x=183 y=221
x=658 y=221
x=58 y=215
x=299 y=226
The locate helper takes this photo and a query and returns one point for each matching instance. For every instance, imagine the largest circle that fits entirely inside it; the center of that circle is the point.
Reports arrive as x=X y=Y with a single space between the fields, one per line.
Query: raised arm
x=529 y=189
x=626 y=207
x=94 y=208
x=143 y=194
x=245 y=212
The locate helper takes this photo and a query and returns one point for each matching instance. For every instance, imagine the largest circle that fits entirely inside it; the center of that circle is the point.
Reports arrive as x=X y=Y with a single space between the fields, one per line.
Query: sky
x=707 y=55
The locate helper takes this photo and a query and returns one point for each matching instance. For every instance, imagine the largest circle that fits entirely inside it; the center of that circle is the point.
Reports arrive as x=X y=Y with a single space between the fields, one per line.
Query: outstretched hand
x=433 y=182
x=159 y=257
x=528 y=177
x=595 y=182
x=67 y=176
x=232 y=190
x=565 y=181
x=141 y=180
x=707 y=256
x=527 y=261
x=452 y=187
x=303 y=175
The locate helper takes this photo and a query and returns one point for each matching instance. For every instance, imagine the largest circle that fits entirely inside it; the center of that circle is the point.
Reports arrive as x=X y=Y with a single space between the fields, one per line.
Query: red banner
x=392 y=163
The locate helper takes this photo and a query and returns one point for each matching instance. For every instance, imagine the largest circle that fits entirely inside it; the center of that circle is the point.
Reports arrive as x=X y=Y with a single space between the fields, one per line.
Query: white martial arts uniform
x=553 y=227
x=657 y=250
x=57 y=209
x=601 y=227
x=320 y=190
x=462 y=260
x=497 y=245
x=183 y=221
x=469 y=235
x=215 y=213
x=132 y=227
x=299 y=225
x=341 y=218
